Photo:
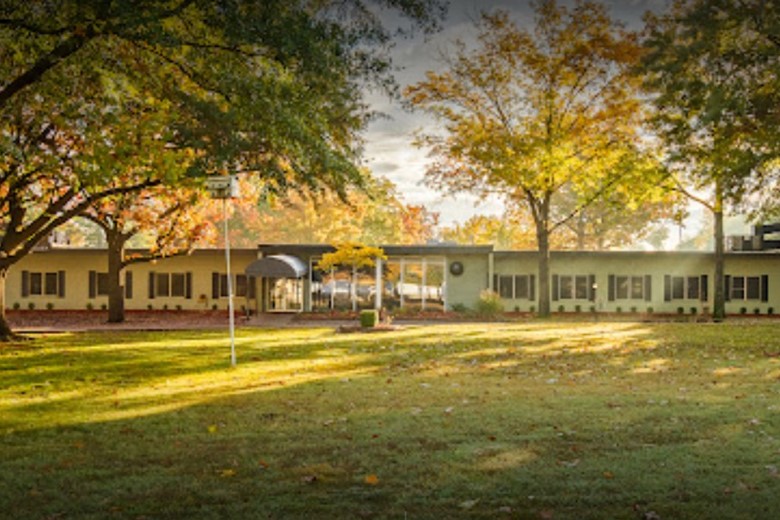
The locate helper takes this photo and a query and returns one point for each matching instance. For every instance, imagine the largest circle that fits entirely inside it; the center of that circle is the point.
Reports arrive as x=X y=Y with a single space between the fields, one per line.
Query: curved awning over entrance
x=277 y=266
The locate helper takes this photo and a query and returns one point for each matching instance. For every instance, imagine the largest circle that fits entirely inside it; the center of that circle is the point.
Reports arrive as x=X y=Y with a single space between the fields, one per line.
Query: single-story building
x=285 y=278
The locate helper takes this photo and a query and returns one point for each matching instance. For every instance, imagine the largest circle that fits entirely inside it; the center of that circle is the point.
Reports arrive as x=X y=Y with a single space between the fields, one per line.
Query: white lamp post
x=225 y=187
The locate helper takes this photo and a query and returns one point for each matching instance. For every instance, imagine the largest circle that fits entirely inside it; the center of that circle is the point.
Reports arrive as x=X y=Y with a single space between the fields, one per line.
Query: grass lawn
x=521 y=420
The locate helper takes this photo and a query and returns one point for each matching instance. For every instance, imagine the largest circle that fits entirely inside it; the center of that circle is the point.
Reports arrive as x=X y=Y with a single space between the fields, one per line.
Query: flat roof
x=390 y=250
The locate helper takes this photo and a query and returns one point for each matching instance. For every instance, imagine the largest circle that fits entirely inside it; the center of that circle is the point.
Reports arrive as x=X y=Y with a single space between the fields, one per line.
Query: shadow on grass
x=523 y=421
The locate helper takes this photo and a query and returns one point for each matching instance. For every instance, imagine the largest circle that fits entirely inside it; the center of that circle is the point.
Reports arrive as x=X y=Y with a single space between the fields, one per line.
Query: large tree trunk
x=6 y=334
x=543 y=241
x=719 y=303
x=116 y=291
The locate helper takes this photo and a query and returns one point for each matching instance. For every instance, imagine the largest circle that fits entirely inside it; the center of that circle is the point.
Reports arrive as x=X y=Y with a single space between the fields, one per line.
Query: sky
x=389 y=148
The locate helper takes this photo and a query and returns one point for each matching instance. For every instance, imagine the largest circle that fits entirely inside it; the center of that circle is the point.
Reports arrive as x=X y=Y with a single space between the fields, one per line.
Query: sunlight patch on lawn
x=654 y=366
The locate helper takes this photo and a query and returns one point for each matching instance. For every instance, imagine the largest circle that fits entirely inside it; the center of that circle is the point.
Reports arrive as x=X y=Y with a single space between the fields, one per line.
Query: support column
x=378 y=285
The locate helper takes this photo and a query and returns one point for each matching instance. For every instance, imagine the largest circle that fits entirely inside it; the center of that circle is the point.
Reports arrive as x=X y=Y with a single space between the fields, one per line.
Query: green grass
x=532 y=420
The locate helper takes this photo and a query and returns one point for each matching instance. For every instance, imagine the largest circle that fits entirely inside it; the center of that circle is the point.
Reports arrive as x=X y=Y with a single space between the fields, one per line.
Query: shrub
x=593 y=308
x=650 y=310
x=680 y=310
x=517 y=308
x=103 y=307
x=578 y=308
x=49 y=306
x=633 y=309
x=150 y=307
x=165 y=306
x=178 y=307
x=743 y=310
x=213 y=307
x=459 y=307
x=31 y=306
x=90 y=306
x=618 y=309
x=369 y=318
x=770 y=310
x=694 y=310
x=532 y=309
x=756 y=311
x=17 y=306
x=489 y=304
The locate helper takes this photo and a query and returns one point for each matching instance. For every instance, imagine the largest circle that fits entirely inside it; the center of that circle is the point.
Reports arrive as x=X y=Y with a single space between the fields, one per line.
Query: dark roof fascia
x=390 y=250
x=646 y=254
x=102 y=250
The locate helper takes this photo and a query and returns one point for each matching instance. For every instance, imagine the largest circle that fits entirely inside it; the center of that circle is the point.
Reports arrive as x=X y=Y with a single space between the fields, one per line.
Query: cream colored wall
x=78 y=263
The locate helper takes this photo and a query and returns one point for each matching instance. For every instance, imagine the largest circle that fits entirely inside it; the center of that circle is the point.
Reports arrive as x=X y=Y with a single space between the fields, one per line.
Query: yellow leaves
x=352 y=255
x=227 y=473
x=212 y=428
x=371 y=480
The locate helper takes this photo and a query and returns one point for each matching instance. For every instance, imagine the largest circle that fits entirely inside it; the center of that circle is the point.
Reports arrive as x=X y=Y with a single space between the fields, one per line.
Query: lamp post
x=225 y=187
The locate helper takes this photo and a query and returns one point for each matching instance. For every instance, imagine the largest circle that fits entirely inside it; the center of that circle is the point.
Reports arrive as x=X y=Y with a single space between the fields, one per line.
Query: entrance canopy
x=277 y=266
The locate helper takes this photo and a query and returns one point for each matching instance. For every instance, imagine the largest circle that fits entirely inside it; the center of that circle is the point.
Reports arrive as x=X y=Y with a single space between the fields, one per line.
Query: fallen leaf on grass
x=212 y=428
x=468 y=504
x=371 y=480
x=227 y=473
x=609 y=475
x=309 y=479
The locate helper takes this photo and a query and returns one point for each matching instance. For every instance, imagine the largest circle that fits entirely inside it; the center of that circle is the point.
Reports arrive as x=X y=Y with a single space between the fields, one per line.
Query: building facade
x=285 y=278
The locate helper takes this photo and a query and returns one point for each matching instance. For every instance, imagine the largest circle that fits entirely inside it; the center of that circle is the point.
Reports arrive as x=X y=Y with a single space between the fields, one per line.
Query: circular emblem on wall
x=456 y=268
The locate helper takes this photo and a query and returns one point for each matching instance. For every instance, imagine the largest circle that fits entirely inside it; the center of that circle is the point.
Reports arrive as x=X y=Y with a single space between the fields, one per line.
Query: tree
x=355 y=256
x=713 y=69
x=504 y=232
x=374 y=215
x=270 y=87
x=529 y=115
x=170 y=218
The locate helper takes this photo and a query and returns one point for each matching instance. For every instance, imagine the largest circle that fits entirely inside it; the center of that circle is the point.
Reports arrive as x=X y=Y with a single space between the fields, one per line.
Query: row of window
x=161 y=285
x=634 y=287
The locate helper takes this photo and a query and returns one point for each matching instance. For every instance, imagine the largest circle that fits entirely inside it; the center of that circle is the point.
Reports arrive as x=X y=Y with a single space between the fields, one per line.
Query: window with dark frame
x=566 y=288
x=506 y=287
x=752 y=288
x=177 y=285
x=637 y=287
x=50 y=283
x=581 y=287
x=678 y=287
x=747 y=287
x=162 y=285
x=693 y=287
x=626 y=287
x=622 y=289
x=522 y=287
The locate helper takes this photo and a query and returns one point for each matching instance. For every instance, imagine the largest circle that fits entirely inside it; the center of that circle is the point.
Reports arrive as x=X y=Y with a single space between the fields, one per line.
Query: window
x=581 y=287
x=622 y=287
x=693 y=287
x=570 y=287
x=163 y=284
x=241 y=286
x=43 y=284
x=506 y=287
x=747 y=287
x=630 y=287
x=517 y=287
x=98 y=284
x=177 y=285
x=36 y=285
x=566 y=288
x=524 y=287
x=685 y=288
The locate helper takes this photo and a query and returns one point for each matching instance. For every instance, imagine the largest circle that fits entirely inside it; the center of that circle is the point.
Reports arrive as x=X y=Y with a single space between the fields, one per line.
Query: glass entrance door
x=284 y=294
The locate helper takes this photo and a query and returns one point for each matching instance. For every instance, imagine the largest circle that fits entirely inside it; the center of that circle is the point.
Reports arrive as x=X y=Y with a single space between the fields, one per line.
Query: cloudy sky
x=389 y=149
